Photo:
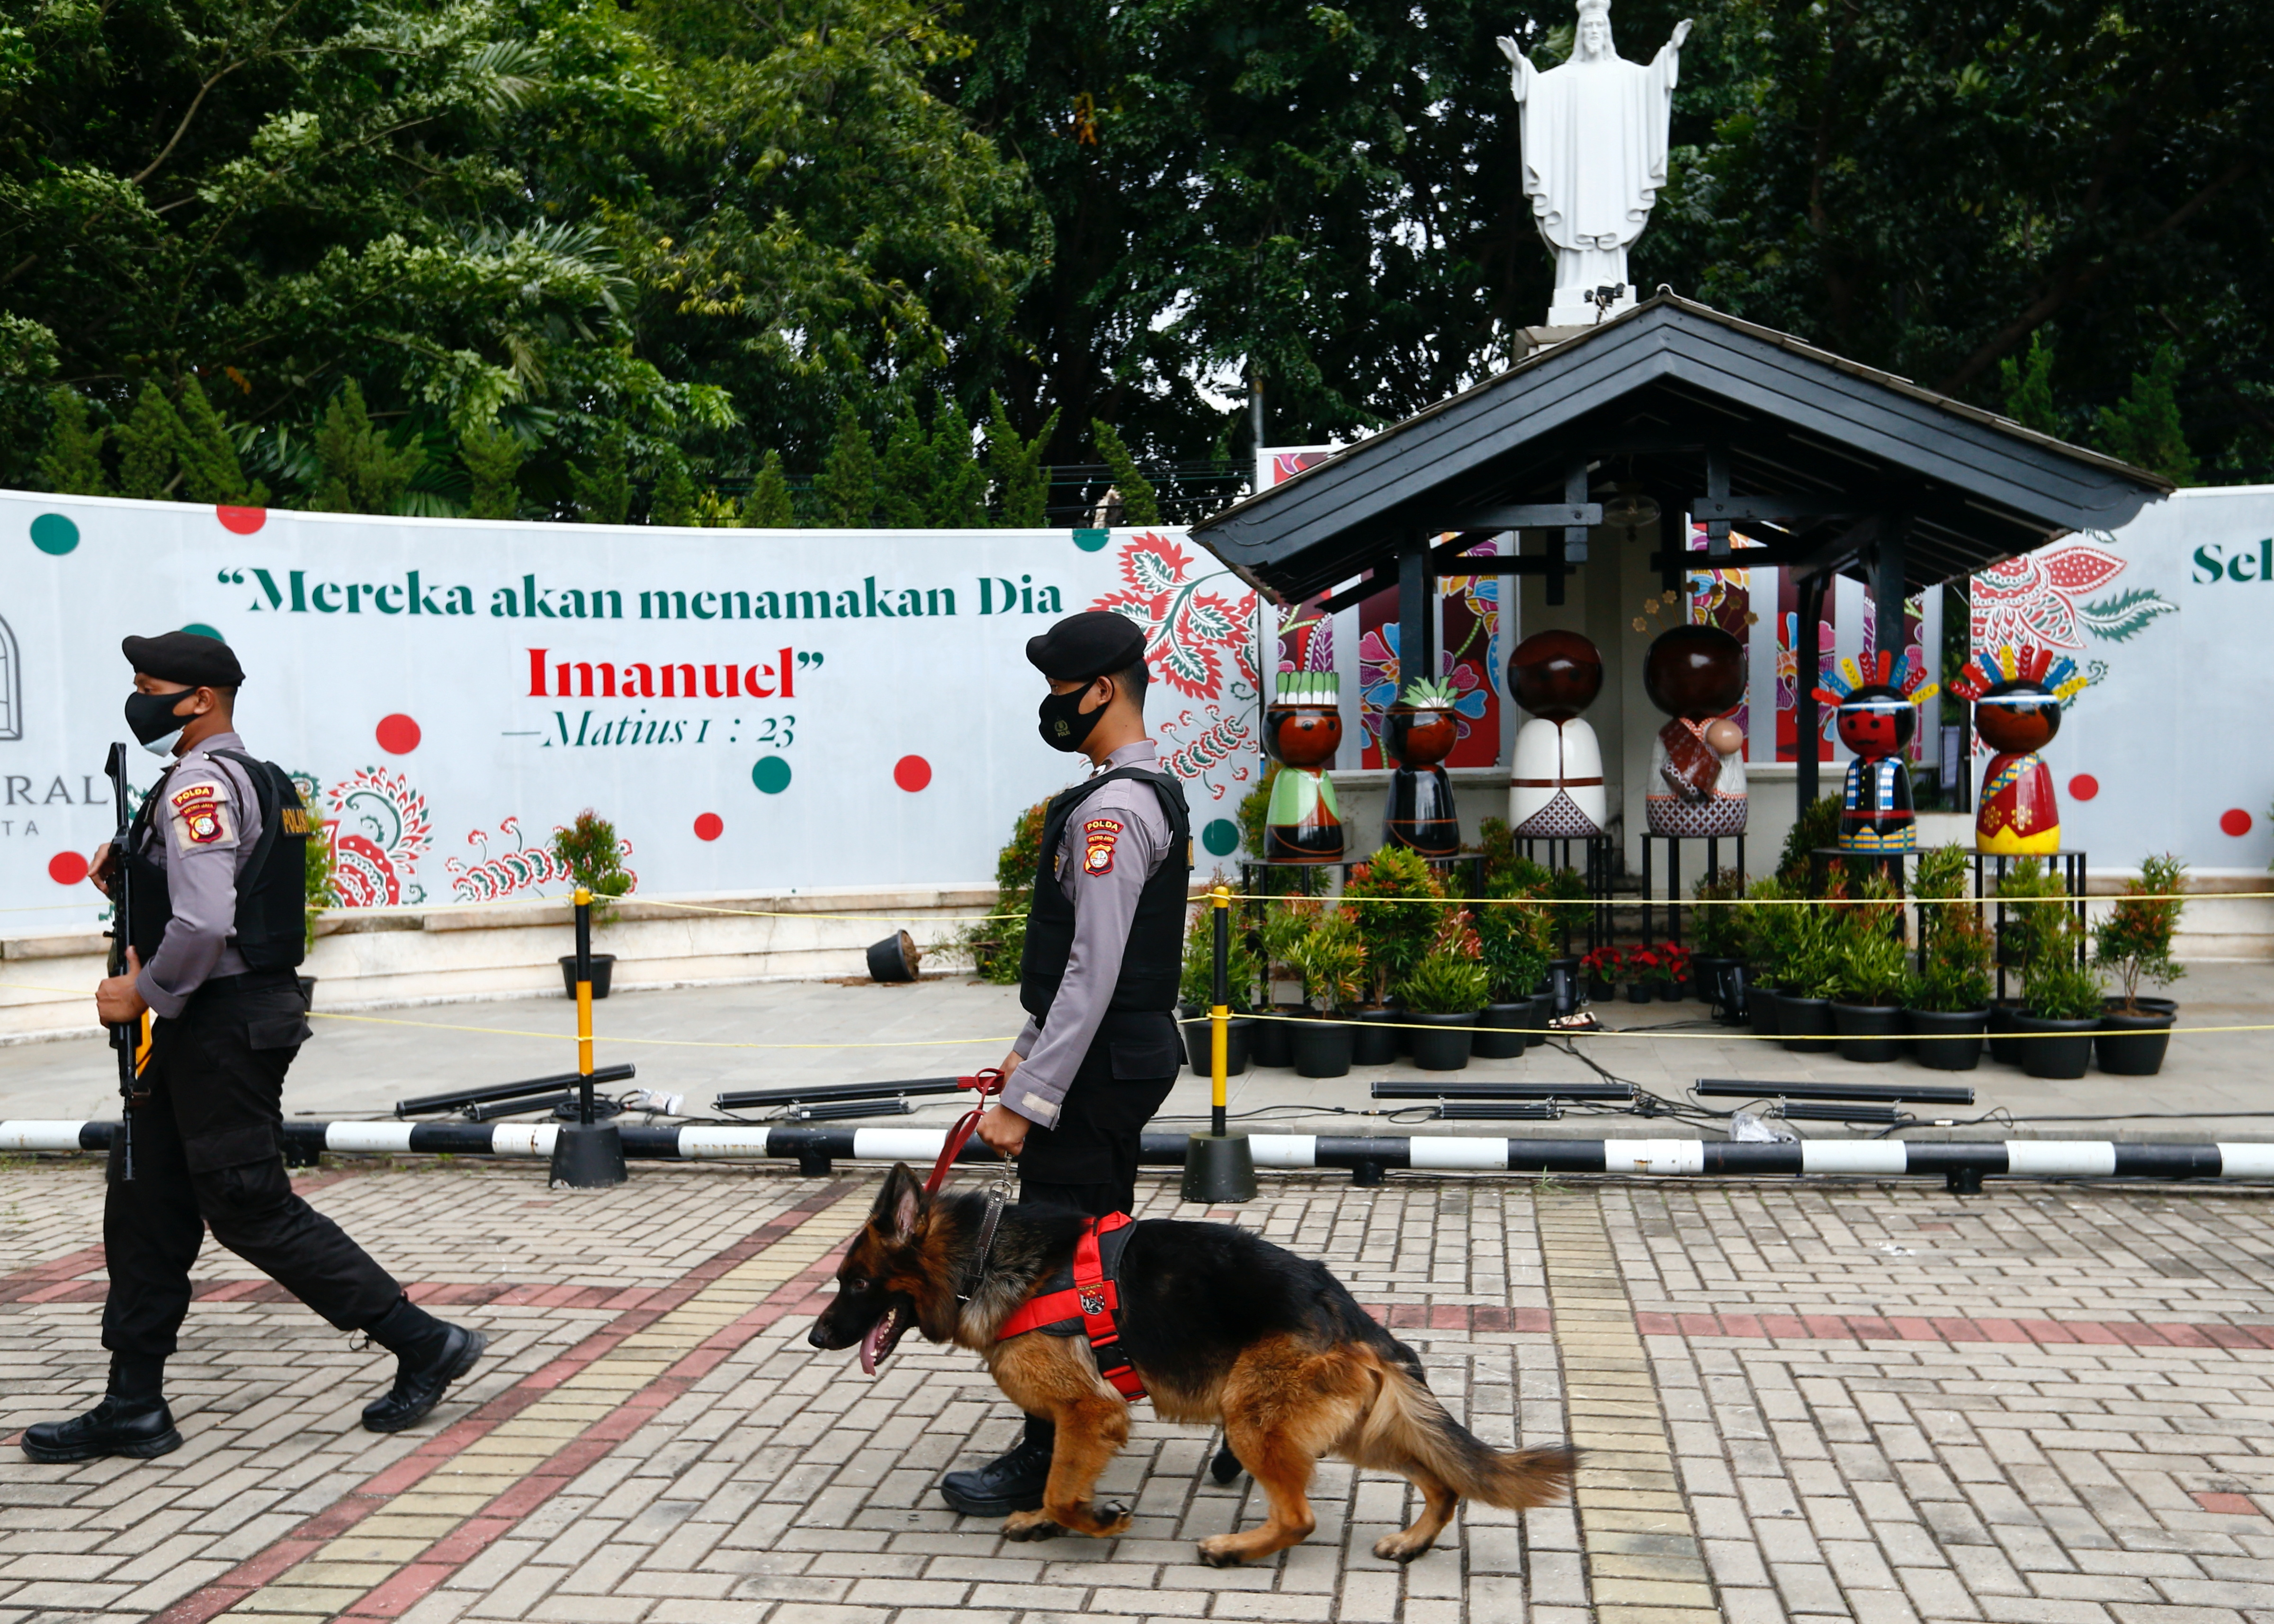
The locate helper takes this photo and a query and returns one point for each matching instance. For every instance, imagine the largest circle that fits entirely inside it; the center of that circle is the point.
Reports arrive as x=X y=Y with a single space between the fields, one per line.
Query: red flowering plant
x=1604 y=964
x=1674 y=961
x=1647 y=964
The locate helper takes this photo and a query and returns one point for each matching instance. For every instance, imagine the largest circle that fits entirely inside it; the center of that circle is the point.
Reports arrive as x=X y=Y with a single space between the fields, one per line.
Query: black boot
x=139 y=1427
x=1013 y=1483
x=430 y=1353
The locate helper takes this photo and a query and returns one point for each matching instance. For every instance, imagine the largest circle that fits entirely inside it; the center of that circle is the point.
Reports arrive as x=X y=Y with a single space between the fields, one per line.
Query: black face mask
x=1065 y=724
x=151 y=717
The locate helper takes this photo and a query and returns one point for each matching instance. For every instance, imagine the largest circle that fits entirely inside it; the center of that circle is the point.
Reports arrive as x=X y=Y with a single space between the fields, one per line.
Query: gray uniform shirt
x=201 y=833
x=1104 y=902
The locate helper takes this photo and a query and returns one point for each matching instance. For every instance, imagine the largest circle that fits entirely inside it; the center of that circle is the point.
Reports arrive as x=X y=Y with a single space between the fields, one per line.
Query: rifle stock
x=126 y=1037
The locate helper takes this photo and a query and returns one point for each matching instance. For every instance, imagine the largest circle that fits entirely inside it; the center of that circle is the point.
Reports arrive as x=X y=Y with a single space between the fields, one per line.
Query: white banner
x=752 y=709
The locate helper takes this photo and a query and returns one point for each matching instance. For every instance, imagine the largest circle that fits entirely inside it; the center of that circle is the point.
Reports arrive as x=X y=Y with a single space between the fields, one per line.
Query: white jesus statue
x=1594 y=156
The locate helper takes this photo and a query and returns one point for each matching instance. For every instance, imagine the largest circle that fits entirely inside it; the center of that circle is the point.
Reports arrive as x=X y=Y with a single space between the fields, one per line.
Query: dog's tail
x=1407 y=1419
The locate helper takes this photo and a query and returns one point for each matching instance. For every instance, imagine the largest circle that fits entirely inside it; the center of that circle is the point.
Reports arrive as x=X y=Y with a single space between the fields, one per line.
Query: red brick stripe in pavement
x=1952 y=1328
x=398 y=1593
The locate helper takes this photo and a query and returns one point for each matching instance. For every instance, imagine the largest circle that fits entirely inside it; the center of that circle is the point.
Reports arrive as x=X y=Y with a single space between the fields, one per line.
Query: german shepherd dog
x=1221 y=1326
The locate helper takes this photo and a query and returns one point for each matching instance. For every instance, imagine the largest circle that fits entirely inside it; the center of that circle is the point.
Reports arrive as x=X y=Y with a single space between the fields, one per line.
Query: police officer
x=217 y=927
x=1104 y=944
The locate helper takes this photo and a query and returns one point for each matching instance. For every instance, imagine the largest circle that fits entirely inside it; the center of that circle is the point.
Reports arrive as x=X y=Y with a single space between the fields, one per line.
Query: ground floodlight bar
x=464 y=1099
x=1403 y=1090
x=1963 y=1163
x=521 y=1108
x=1883 y=1094
x=1496 y=1110
x=1798 y=1110
x=760 y=1099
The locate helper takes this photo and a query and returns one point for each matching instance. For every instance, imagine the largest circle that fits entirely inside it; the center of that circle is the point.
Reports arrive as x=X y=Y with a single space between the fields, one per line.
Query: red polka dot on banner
x=710 y=826
x=67 y=867
x=241 y=520
x=2084 y=786
x=2235 y=821
x=912 y=773
x=398 y=735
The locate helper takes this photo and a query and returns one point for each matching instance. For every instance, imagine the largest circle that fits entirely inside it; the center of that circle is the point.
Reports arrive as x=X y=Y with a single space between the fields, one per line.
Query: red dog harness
x=1089 y=1305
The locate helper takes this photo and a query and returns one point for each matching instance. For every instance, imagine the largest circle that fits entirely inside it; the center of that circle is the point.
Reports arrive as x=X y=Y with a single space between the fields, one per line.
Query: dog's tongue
x=874 y=1341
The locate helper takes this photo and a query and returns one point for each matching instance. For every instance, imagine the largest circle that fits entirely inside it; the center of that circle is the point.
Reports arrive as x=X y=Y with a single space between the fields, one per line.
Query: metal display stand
x=1594 y=868
x=1674 y=845
x=2074 y=872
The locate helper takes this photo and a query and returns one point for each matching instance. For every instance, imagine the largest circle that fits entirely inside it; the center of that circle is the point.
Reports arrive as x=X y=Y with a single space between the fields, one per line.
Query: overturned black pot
x=1322 y=1046
x=1870 y=1032
x=602 y=965
x=2055 y=1047
x=2134 y=1045
x=1441 y=1042
x=1948 y=1040
x=1805 y=1025
x=1376 y=1040
x=894 y=959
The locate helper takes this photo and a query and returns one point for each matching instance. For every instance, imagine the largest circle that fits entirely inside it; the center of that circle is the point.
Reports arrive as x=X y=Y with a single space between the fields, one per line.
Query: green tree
x=360 y=472
x=211 y=471
x=1139 y=503
x=1021 y=482
x=907 y=476
x=2028 y=386
x=959 y=490
x=603 y=492
x=149 y=446
x=70 y=464
x=846 y=489
x=768 y=507
x=2144 y=429
x=493 y=455
x=673 y=501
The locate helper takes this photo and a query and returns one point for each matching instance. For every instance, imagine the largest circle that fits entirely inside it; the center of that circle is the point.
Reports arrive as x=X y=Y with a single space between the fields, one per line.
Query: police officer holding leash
x=216 y=929
x=1104 y=944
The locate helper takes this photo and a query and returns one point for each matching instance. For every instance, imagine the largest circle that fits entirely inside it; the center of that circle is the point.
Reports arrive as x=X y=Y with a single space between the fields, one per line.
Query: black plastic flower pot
x=1948 y=1040
x=1273 y=1042
x=1672 y=992
x=1441 y=1042
x=894 y=959
x=1639 y=992
x=1543 y=1011
x=1805 y=1025
x=1763 y=1003
x=1601 y=990
x=1322 y=1048
x=1374 y=1042
x=1870 y=1032
x=1503 y=1037
x=2133 y=1045
x=2054 y=1047
x=1706 y=974
x=602 y=965
x=1236 y=1039
x=2005 y=1048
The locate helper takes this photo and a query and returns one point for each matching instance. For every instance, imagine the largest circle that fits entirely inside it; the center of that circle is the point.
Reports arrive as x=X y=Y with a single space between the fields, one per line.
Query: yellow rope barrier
x=1731 y=1037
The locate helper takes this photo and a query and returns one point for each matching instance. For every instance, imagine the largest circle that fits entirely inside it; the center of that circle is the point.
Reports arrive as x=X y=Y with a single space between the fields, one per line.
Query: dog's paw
x=1029 y=1526
x=1221 y=1550
x=1399 y=1548
x=1108 y=1518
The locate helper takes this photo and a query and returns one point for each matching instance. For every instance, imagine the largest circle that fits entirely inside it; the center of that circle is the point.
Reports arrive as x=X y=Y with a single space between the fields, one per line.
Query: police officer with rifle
x=211 y=888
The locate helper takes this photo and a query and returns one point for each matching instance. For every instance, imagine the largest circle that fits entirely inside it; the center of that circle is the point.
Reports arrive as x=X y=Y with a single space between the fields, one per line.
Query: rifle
x=126 y=1037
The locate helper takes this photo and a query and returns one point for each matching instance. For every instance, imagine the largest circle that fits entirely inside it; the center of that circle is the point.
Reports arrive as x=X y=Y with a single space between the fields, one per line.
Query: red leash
x=986 y=1084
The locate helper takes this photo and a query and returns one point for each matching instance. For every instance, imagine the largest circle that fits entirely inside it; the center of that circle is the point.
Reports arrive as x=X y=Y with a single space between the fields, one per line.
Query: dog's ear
x=901 y=1204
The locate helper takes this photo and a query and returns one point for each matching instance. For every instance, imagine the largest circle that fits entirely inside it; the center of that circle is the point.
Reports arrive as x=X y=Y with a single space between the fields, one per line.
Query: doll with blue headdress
x=1877 y=717
x=2017 y=695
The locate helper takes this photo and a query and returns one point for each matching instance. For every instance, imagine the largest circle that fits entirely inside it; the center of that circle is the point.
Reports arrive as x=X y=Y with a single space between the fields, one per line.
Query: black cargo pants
x=209 y=1152
x=1088 y=1162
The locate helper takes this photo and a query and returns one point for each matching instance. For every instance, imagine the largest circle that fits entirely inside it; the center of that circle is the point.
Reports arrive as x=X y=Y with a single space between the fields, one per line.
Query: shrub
x=2135 y=939
x=2037 y=921
x=1771 y=924
x=589 y=849
x=1512 y=933
x=1814 y=829
x=1197 y=985
x=316 y=876
x=1332 y=960
x=1397 y=902
x=1254 y=806
x=1287 y=922
x=2056 y=988
x=1723 y=931
x=1444 y=982
x=1868 y=965
x=997 y=944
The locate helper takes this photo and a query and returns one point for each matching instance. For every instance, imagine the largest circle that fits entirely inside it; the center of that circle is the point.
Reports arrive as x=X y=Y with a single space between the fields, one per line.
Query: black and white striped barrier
x=1964 y=1165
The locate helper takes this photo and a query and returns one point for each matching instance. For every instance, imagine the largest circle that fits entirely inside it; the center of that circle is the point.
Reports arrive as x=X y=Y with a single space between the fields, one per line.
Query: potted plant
x=1512 y=936
x=1673 y=965
x=1771 y=919
x=1195 y=989
x=589 y=850
x=2060 y=1006
x=318 y=897
x=1804 y=1021
x=1867 y=1009
x=2134 y=942
x=1644 y=970
x=1331 y=959
x=1445 y=993
x=997 y=943
x=2036 y=924
x=1946 y=1002
x=1721 y=932
x=1603 y=967
x=1287 y=920
x=1397 y=902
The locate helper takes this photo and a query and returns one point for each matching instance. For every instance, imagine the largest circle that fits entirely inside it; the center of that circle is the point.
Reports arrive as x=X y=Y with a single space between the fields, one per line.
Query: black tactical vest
x=1151 y=962
x=272 y=891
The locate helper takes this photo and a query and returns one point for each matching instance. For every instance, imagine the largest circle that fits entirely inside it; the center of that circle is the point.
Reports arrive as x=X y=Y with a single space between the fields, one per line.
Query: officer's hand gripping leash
x=126 y=1037
x=987 y=1083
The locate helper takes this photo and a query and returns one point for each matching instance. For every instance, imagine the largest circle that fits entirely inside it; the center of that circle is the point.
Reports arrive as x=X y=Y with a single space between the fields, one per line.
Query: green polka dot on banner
x=199 y=628
x=1221 y=837
x=54 y=534
x=1092 y=541
x=770 y=775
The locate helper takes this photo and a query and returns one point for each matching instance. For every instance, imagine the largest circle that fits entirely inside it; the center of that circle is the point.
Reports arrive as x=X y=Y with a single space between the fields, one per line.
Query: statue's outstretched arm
x=1520 y=70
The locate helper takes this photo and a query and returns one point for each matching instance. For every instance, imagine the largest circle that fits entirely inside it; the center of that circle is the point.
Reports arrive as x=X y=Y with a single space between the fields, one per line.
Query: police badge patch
x=1098 y=835
x=200 y=816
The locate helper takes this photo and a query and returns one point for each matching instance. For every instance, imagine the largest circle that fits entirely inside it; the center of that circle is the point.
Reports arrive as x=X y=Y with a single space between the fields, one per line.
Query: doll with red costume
x=2017 y=695
x=1878 y=717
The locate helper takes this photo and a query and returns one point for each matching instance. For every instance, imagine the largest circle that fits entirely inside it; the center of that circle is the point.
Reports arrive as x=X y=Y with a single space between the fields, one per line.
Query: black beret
x=185 y=657
x=1083 y=646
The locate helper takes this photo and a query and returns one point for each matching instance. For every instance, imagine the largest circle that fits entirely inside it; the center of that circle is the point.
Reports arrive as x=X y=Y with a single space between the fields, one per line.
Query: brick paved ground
x=1863 y=1402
